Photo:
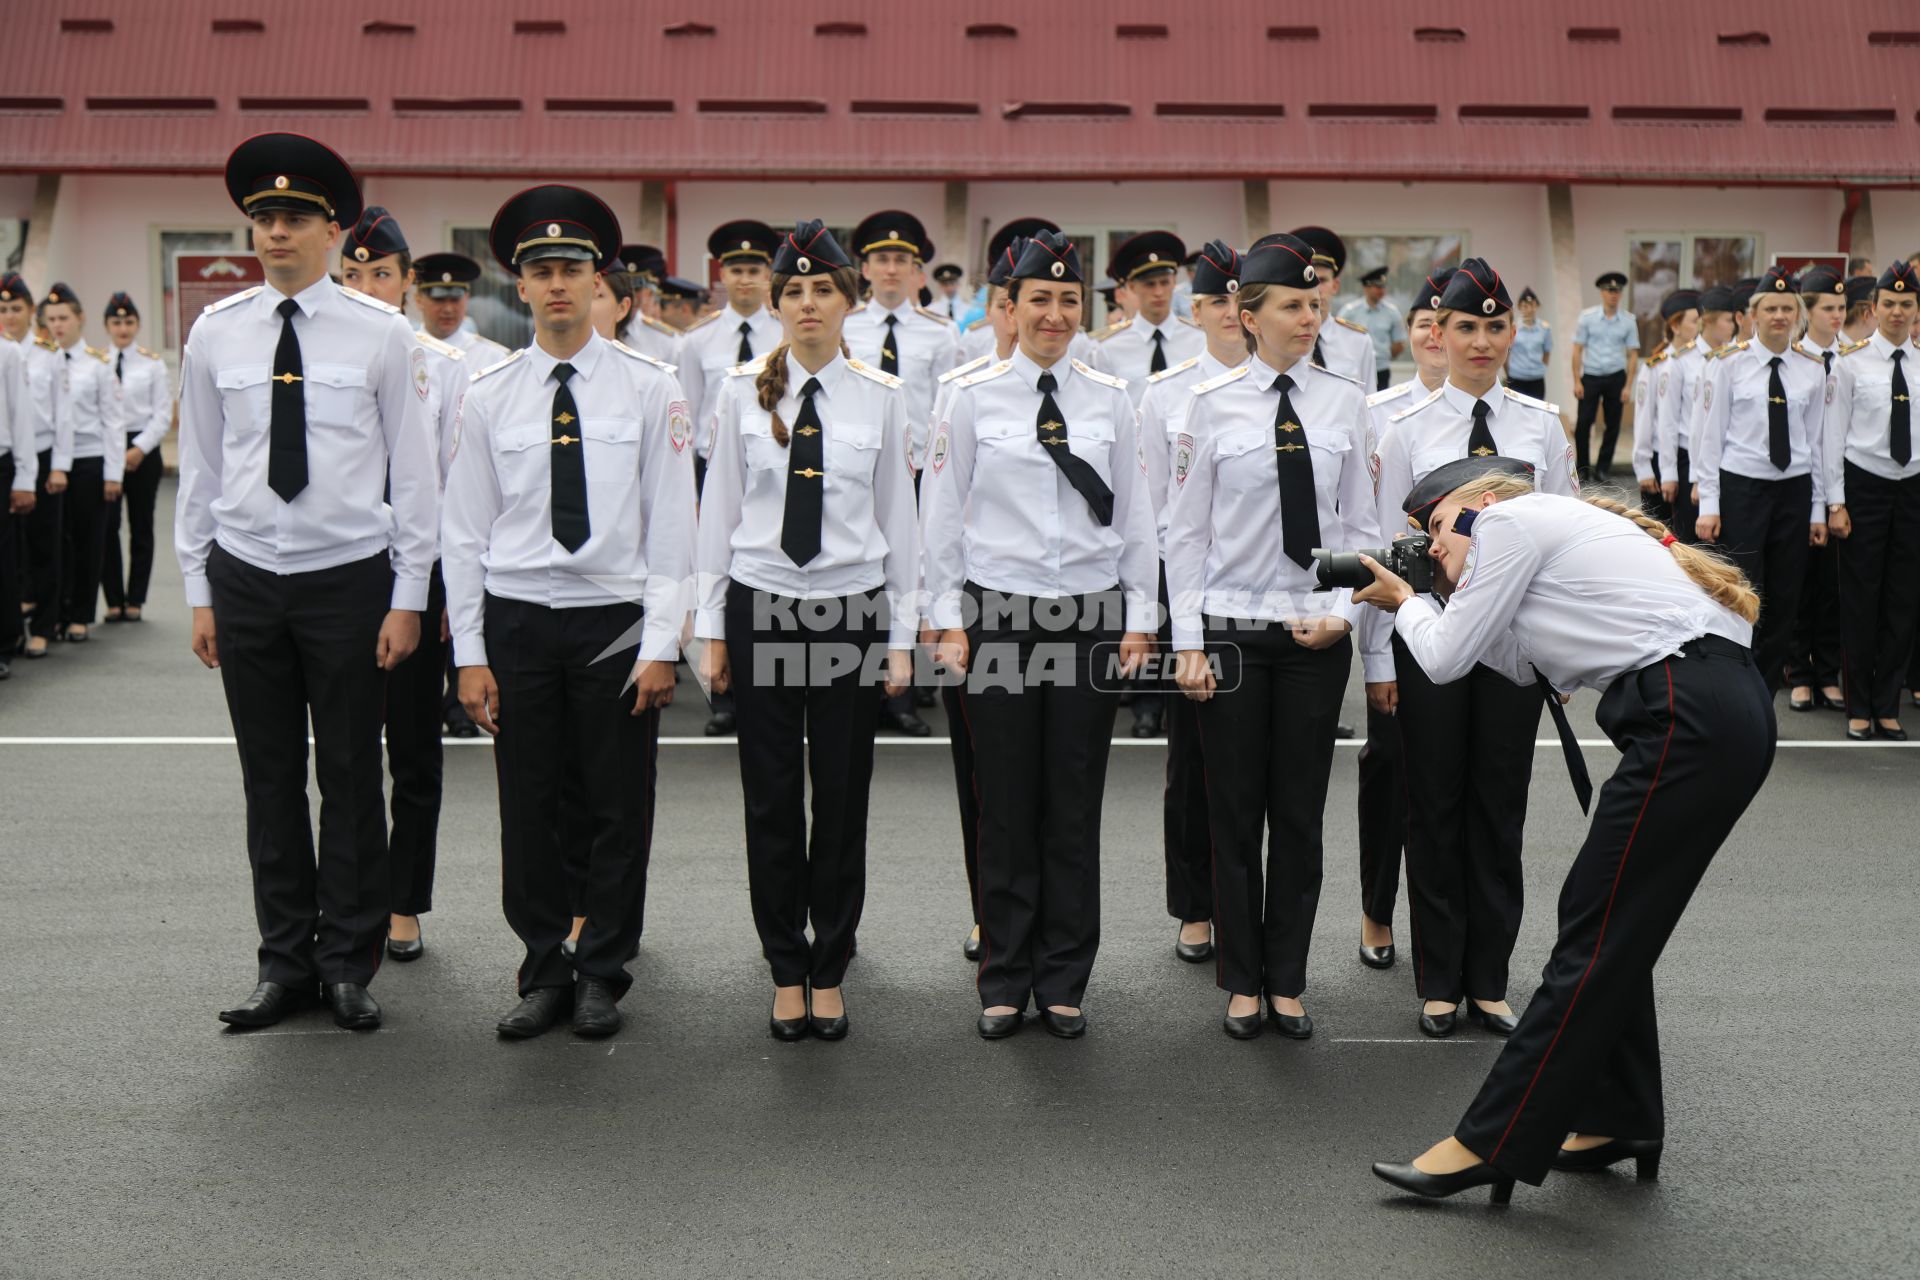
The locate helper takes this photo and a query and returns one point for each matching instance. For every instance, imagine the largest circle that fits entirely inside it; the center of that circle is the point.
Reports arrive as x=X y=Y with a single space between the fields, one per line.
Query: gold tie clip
x=810 y=473
x=1288 y=448
x=288 y=378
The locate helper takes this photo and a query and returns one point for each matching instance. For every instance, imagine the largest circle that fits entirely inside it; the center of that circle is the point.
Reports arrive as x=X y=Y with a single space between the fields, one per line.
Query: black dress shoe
x=1343 y=732
x=406 y=951
x=1860 y=735
x=1300 y=1028
x=1068 y=1026
x=1146 y=723
x=1499 y=1024
x=1796 y=704
x=998 y=1026
x=1644 y=1152
x=463 y=728
x=1437 y=1186
x=1440 y=1025
x=826 y=1028
x=1895 y=734
x=907 y=722
x=270 y=1002
x=924 y=697
x=353 y=1008
x=1243 y=1028
x=970 y=948
x=538 y=1011
x=596 y=1013
x=1377 y=957
x=1193 y=952
x=720 y=724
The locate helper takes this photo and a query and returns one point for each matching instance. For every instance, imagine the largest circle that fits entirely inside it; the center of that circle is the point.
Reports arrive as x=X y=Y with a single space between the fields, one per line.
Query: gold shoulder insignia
x=961 y=371
x=1532 y=403
x=655 y=361
x=1191 y=324
x=752 y=368
x=99 y=355
x=1233 y=374
x=1808 y=354
x=498 y=365
x=1431 y=397
x=151 y=355
x=932 y=315
x=991 y=371
x=1852 y=347
x=434 y=344
x=368 y=301
x=975 y=323
x=703 y=321
x=660 y=326
x=1118 y=326
x=1182 y=367
x=1390 y=394
x=230 y=299
x=1357 y=328
x=1343 y=377
x=868 y=371
x=45 y=345
x=1107 y=379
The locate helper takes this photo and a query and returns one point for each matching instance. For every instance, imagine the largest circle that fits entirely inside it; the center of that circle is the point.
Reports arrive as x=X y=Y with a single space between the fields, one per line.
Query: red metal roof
x=1629 y=90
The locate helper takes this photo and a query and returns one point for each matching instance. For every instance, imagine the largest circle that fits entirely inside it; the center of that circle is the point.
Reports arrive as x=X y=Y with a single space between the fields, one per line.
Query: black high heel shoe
x=1438 y=1186
x=1439 y=1025
x=1376 y=957
x=1644 y=1152
x=1244 y=1028
x=1293 y=1028
x=827 y=1028
x=1499 y=1024
x=970 y=947
x=791 y=1029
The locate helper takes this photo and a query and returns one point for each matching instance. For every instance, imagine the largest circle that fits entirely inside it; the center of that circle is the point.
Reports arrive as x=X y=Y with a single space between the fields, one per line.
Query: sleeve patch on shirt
x=1573 y=472
x=1373 y=469
x=940 y=445
x=679 y=425
x=1662 y=389
x=1182 y=457
x=1466 y=566
x=1639 y=393
x=422 y=380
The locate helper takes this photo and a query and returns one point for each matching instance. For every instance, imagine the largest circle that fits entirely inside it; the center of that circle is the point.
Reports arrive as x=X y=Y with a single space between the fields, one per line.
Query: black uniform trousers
x=1654 y=504
x=295 y=648
x=1467 y=751
x=10 y=620
x=1601 y=401
x=84 y=536
x=1042 y=729
x=807 y=685
x=563 y=706
x=1685 y=509
x=1535 y=387
x=1183 y=806
x=1268 y=732
x=44 y=529
x=1696 y=735
x=1763 y=526
x=1382 y=378
x=140 y=492
x=1879 y=570
x=1382 y=817
x=1813 y=651
x=414 y=691
x=966 y=789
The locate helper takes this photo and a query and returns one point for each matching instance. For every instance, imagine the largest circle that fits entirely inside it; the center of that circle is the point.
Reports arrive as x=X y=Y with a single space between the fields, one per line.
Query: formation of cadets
x=386 y=532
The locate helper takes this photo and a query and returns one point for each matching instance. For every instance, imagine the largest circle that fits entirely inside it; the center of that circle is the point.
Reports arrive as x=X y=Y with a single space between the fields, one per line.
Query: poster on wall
x=201 y=279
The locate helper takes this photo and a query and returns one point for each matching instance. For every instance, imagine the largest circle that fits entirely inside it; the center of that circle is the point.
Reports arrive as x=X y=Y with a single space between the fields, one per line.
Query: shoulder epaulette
x=368 y=300
x=151 y=355
x=1357 y=328
x=1343 y=377
x=46 y=345
x=1531 y=402
x=1101 y=335
x=975 y=323
x=869 y=372
x=1107 y=379
x=434 y=344
x=655 y=361
x=961 y=371
x=933 y=315
x=1190 y=323
x=230 y=299
x=659 y=325
x=497 y=366
x=991 y=371
x=1230 y=375
x=1808 y=354
x=1850 y=348
x=751 y=368
x=1164 y=374
x=1658 y=356
x=1413 y=409
x=99 y=355
x=703 y=321
x=1393 y=393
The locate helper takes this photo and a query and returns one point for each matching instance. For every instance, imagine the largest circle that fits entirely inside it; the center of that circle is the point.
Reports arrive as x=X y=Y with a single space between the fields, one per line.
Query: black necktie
x=120 y=367
x=1779 y=450
x=1480 y=439
x=287 y=424
x=1826 y=361
x=1299 y=508
x=1569 y=745
x=1052 y=425
x=890 y=348
x=1317 y=357
x=568 y=473
x=1159 y=362
x=806 y=480
x=746 y=344
x=1900 y=419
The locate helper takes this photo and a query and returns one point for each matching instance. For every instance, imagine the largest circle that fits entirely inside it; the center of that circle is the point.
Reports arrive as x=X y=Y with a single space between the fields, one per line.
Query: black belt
x=1716 y=647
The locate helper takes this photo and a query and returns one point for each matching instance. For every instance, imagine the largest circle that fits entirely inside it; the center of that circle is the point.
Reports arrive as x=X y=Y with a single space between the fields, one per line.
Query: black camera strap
x=1569 y=745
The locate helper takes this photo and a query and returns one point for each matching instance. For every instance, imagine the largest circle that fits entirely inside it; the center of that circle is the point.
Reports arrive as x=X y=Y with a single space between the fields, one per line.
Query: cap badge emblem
x=553 y=228
x=1779 y=284
x=1307 y=273
x=803 y=265
x=361 y=254
x=1434 y=302
x=446 y=277
x=1059 y=269
x=280 y=183
x=1233 y=286
x=746 y=244
x=1488 y=306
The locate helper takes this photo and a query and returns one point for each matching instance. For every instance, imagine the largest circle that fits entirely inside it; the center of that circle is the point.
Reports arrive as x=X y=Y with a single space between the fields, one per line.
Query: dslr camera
x=1406 y=559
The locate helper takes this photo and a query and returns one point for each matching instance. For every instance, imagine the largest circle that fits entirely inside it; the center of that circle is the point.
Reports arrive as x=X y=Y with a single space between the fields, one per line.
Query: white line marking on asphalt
x=214 y=740
x=1407 y=1040
x=317 y=1031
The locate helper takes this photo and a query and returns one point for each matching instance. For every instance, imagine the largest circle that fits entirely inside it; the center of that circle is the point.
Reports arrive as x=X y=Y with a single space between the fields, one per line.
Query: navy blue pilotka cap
x=1447 y=477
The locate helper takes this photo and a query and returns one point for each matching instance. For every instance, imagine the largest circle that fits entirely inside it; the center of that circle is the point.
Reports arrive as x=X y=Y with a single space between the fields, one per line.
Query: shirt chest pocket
x=1090 y=441
x=852 y=451
x=336 y=394
x=245 y=398
x=757 y=445
x=1873 y=395
x=518 y=455
x=613 y=450
x=1245 y=459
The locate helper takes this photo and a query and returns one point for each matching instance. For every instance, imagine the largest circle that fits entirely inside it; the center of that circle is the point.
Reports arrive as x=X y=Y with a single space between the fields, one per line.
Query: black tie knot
x=1283 y=384
x=1774 y=363
x=1481 y=410
x=561 y=372
x=286 y=308
x=892 y=320
x=1897 y=353
x=1159 y=336
x=813 y=386
x=745 y=327
x=1046 y=384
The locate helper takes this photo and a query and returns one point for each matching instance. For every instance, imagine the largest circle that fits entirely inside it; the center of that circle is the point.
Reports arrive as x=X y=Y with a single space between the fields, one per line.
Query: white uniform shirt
x=1347 y=349
x=658 y=339
x=711 y=347
x=1163 y=427
x=146 y=396
x=1646 y=419
x=927 y=347
x=90 y=401
x=869 y=526
x=1224 y=550
x=366 y=422
x=1676 y=394
x=978 y=340
x=1435 y=431
x=1859 y=419
x=482 y=353
x=497 y=537
x=1398 y=398
x=1127 y=350
x=1554 y=583
x=1733 y=429
x=16 y=417
x=997 y=511
x=45 y=375
x=447 y=377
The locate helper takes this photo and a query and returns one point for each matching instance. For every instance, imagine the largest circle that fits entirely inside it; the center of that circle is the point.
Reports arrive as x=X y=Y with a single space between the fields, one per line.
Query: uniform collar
x=310 y=299
x=1464 y=401
x=734 y=318
x=829 y=375
x=1885 y=349
x=583 y=360
x=1211 y=368
x=903 y=312
x=1261 y=374
x=1030 y=372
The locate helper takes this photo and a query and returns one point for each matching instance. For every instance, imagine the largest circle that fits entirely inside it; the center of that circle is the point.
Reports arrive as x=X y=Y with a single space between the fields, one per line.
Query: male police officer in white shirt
x=446 y=286
x=1154 y=339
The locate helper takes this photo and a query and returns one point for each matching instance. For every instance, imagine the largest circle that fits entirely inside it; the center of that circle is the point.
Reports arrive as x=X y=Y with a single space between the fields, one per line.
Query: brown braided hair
x=771 y=384
x=1720 y=578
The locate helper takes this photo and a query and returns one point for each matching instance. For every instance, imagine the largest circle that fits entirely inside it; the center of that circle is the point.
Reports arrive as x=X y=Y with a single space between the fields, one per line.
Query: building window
x=1409 y=257
x=1658 y=262
x=495 y=310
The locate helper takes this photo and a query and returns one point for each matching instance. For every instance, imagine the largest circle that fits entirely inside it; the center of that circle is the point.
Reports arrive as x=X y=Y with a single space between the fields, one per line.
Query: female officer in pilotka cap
x=1599 y=596
x=1276 y=444
x=809 y=557
x=1037 y=524
x=567 y=542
